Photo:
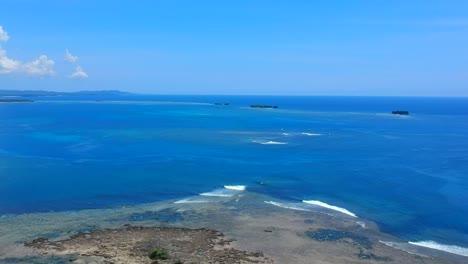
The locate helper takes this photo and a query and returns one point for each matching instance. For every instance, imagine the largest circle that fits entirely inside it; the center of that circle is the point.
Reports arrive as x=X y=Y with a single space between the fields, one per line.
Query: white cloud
x=8 y=65
x=79 y=73
x=40 y=66
x=70 y=57
x=3 y=35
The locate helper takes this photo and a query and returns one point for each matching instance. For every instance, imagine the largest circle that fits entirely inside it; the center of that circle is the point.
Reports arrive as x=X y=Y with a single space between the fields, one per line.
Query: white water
x=447 y=248
x=219 y=193
x=189 y=201
x=402 y=246
x=362 y=224
x=235 y=187
x=311 y=134
x=269 y=142
x=286 y=206
x=227 y=191
x=331 y=207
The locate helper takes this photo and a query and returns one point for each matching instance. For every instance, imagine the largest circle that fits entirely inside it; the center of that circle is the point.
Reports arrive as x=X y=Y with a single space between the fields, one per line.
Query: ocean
x=349 y=155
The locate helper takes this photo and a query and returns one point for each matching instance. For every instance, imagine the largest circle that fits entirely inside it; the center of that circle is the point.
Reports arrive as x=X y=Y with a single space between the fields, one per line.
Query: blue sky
x=335 y=47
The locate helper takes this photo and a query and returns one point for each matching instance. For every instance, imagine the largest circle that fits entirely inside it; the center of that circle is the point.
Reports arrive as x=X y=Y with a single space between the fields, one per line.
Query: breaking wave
x=227 y=191
x=270 y=142
x=215 y=196
x=403 y=246
x=235 y=187
x=287 y=206
x=188 y=200
x=447 y=248
x=331 y=207
x=310 y=134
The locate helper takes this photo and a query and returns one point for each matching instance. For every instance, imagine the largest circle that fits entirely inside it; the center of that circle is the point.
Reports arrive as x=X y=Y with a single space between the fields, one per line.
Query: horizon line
x=202 y=94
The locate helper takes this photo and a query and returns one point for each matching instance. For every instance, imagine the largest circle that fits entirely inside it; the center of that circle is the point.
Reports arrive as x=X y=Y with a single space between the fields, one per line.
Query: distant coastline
x=38 y=93
x=6 y=101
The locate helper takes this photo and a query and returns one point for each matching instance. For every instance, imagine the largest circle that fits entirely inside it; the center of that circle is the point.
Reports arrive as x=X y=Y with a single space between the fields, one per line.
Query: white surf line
x=235 y=187
x=269 y=142
x=286 y=206
x=184 y=201
x=447 y=248
x=331 y=207
x=217 y=193
x=402 y=246
x=227 y=191
x=310 y=134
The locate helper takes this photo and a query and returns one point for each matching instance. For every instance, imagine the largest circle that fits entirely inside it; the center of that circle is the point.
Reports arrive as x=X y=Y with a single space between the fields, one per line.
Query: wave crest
x=270 y=142
x=447 y=248
x=331 y=207
x=310 y=134
x=286 y=206
x=235 y=187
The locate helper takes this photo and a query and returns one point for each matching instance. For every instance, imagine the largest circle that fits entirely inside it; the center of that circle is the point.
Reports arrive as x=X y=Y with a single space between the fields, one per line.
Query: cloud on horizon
x=40 y=66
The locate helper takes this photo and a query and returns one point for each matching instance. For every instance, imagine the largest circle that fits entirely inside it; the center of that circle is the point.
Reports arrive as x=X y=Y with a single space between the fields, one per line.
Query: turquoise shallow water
x=408 y=174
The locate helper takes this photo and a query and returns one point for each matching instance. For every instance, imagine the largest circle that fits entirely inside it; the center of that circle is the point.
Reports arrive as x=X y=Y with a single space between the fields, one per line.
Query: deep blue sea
x=409 y=174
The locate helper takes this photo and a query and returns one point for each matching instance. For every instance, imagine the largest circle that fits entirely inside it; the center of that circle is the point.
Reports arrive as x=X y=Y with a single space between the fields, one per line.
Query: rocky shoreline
x=132 y=244
x=240 y=229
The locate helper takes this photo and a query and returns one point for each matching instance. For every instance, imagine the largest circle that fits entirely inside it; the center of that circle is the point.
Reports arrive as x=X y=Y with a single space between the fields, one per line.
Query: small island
x=264 y=106
x=400 y=112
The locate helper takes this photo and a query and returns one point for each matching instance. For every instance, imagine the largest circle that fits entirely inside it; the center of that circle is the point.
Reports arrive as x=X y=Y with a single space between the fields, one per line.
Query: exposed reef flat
x=229 y=229
x=132 y=245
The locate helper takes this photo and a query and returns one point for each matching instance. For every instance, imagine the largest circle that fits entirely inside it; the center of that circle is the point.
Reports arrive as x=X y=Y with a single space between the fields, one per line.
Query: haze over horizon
x=337 y=47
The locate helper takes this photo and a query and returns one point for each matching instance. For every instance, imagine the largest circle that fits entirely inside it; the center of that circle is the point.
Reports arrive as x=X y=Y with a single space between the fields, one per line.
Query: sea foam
x=184 y=201
x=235 y=187
x=310 y=134
x=331 y=207
x=227 y=191
x=216 y=195
x=269 y=142
x=286 y=206
x=403 y=246
x=447 y=248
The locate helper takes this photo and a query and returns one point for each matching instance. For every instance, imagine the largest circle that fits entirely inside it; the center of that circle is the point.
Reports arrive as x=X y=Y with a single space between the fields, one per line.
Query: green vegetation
x=158 y=254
